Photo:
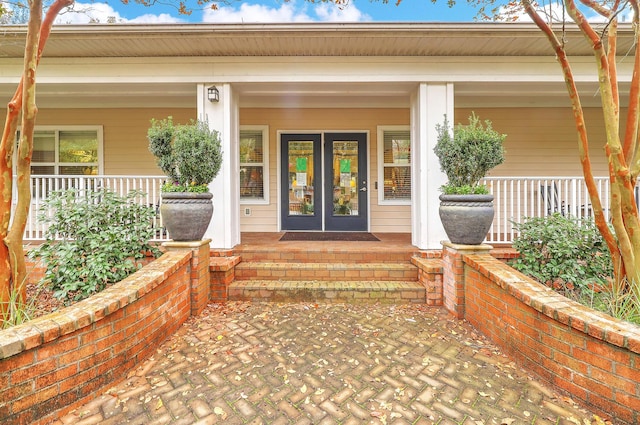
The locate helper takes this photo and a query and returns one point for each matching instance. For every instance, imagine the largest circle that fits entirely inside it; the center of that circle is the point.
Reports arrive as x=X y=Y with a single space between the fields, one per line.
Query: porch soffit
x=311 y=39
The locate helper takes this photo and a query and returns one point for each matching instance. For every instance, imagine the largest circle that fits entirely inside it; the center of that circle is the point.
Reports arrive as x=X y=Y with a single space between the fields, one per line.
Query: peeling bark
x=12 y=262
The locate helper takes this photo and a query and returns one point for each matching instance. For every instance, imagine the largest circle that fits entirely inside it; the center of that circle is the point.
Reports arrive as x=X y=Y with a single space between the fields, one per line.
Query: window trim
x=265 y=164
x=381 y=165
x=99 y=129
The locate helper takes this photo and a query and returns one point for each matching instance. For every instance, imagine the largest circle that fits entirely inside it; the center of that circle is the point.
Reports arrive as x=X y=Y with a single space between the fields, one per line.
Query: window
x=394 y=155
x=67 y=151
x=254 y=153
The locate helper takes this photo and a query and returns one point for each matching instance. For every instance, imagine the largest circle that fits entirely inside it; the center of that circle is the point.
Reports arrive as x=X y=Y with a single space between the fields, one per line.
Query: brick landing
x=361 y=272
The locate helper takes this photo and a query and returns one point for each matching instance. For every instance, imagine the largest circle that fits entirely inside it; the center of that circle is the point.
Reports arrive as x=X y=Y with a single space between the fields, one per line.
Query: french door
x=331 y=198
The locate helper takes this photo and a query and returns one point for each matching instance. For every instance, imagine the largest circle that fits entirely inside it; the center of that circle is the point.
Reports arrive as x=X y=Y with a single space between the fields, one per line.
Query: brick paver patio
x=243 y=363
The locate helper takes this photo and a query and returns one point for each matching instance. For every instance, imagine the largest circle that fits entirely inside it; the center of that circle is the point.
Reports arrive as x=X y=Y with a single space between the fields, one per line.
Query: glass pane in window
x=251 y=147
x=251 y=182
x=73 y=170
x=44 y=146
x=78 y=146
x=397 y=183
x=301 y=178
x=397 y=147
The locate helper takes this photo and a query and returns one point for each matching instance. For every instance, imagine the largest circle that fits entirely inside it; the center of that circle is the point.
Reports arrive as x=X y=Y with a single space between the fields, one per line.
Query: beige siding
x=125 y=134
x=542 y=141
x=383 y=218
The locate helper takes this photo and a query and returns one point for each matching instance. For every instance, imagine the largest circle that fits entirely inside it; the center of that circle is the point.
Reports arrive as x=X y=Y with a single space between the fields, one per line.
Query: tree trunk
x=12 y=261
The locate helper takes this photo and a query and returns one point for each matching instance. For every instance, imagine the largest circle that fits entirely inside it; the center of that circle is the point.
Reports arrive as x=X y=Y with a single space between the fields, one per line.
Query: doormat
x=329 y=236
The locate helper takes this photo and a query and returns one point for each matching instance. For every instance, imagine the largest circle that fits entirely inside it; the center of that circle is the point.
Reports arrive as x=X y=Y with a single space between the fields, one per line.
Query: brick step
x=399 y=292
x=326 y=271
x=323 y=253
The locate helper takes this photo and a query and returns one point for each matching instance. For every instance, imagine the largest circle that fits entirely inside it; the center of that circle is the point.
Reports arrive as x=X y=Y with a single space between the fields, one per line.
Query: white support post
x=429 y=105
x=223 y=116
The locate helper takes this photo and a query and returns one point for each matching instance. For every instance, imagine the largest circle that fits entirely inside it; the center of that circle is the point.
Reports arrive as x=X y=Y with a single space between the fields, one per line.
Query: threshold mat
x=329 y=236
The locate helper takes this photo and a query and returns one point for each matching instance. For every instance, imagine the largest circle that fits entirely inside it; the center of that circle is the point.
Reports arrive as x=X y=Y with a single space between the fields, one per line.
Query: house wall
x=126 y=148
x=542 y=141
x=387 y=218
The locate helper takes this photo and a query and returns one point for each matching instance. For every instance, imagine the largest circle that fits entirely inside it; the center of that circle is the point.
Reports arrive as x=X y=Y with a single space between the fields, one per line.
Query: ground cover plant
x=94 y=239
x=570 y=256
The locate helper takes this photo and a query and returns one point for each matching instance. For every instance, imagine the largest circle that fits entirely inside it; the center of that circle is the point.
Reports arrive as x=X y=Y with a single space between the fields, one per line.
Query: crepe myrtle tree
x=621 y=145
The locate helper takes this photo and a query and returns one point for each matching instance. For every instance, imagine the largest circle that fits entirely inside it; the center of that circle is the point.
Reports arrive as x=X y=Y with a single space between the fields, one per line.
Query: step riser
x=311 y=256
x=327 y=295
x=326 y=275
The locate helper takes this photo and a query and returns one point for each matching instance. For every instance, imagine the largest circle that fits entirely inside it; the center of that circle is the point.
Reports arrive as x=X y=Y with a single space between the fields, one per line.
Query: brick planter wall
x=593 y=357
x=52 y=364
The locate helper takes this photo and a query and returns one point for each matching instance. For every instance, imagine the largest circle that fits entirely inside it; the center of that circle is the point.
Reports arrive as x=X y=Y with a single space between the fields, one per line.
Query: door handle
x=363 y=188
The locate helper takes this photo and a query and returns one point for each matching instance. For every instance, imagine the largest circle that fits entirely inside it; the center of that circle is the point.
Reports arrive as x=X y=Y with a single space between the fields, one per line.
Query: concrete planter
x=466 y=218
x=186 y=215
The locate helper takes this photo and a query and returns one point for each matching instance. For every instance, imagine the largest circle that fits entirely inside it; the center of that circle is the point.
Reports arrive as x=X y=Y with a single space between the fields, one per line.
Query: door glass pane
x=345 y=178
x=301 y=178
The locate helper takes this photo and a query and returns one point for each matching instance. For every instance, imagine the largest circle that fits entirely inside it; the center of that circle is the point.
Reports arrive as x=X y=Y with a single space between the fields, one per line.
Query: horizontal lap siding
x=126 y=148
x=542 y=141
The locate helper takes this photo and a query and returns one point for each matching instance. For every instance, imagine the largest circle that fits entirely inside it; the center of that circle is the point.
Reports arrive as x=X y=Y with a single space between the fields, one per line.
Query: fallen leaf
x=303 y=389
x=507 y=421
x=159 y=404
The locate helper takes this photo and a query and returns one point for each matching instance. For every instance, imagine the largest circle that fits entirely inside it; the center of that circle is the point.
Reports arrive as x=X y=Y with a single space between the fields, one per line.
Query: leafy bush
x=565 y=253
x=466 y=157
x=103 y=237
x=570 y=256
x=190 y=155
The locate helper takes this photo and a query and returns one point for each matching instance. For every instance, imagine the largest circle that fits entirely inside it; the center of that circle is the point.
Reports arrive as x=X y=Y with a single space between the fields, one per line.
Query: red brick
x=55 y=376
x=30 y=372
x=595 y=387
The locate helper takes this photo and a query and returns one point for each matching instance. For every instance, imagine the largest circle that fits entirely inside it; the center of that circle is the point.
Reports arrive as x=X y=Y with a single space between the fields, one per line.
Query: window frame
x=56 y=164
x=381 y=165
x=265 y=164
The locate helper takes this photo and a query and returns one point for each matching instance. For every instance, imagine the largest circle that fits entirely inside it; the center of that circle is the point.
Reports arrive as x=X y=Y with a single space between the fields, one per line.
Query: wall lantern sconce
x=213 y=94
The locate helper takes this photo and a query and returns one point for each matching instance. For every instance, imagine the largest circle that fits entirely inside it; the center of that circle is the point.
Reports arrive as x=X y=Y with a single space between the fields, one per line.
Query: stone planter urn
x=186 y=215
x=466 y=218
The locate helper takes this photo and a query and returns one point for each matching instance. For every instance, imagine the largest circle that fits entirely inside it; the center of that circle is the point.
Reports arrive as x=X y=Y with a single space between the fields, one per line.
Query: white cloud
x=286 y=12
x=249 y=13
x=331 y=13
x=84 y=13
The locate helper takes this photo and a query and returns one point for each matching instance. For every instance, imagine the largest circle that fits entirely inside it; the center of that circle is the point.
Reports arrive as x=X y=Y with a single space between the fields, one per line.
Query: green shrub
x=103 y=237
x=565 y=253
x=190 y=155
x=468 y=155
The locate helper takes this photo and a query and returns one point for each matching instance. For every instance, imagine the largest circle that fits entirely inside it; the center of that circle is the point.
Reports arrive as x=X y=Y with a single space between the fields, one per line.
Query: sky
x=262 y=11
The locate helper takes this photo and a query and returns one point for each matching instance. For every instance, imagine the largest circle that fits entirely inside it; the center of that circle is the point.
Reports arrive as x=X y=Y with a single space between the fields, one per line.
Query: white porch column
x=429 y=105
x=223 y=116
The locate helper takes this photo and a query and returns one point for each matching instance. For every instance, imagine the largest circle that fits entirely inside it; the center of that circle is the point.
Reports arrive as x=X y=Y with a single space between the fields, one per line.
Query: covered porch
x=515 y=199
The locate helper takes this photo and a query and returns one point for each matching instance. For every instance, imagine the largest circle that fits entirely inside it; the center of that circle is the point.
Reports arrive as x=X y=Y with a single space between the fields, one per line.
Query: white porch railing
x=42 y=185
x=515 y=198
x=519 y=197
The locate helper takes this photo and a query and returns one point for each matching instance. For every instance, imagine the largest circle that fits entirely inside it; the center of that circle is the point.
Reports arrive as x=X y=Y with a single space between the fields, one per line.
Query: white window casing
x=394 y=159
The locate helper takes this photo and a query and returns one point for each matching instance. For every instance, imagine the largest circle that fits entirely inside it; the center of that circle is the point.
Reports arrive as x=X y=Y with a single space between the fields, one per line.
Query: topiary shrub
x=468 y=155
x=190 y=155
x=93 y=239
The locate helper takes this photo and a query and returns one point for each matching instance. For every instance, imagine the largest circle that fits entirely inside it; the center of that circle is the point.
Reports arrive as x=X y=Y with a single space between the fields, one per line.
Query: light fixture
x=213 y=94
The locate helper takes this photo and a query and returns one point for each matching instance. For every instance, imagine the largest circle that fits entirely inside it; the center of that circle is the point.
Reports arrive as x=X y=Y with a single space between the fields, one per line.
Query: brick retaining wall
x=591 y=356
x=53 y=363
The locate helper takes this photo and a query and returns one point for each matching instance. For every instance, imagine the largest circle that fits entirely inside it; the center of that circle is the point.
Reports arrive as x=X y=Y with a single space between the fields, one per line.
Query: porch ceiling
x=309 y=39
